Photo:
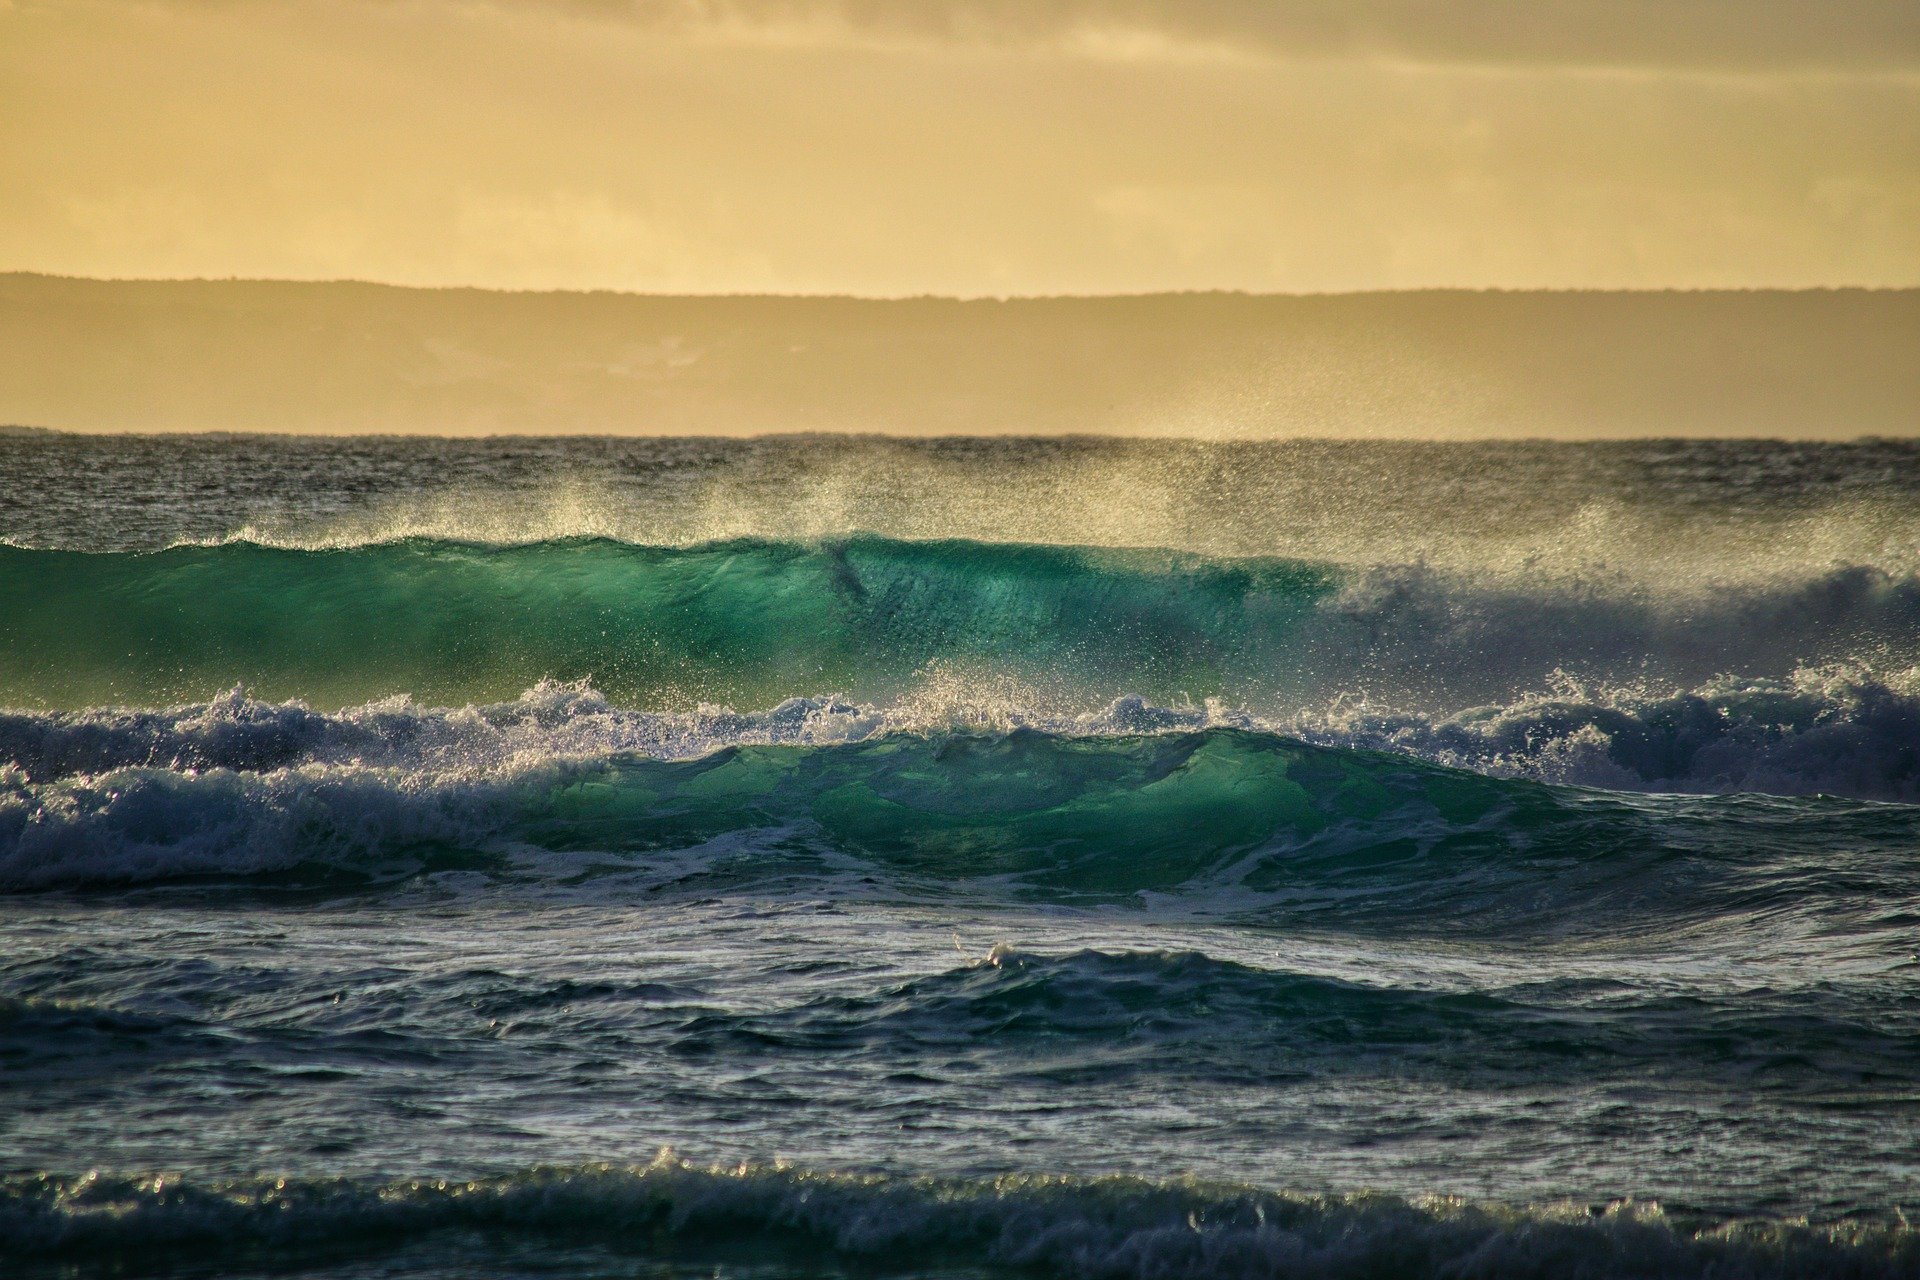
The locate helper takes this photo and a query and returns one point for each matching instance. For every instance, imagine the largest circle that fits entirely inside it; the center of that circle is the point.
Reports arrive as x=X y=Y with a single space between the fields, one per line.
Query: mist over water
x=1602 y=507
x=1110 y=858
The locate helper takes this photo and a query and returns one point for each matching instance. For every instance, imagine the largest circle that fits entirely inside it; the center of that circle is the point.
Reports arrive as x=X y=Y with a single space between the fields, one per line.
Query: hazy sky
x=965 y=146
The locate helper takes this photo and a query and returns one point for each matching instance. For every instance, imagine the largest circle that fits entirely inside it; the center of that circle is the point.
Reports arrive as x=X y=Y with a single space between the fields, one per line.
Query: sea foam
x=1100 y=1229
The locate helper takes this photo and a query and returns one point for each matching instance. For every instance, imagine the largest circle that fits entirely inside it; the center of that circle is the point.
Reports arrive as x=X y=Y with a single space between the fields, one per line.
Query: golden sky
x=965 y=146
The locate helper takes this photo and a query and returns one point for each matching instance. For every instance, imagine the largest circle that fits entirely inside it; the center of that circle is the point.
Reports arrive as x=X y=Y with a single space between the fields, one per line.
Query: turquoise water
x=819 y=858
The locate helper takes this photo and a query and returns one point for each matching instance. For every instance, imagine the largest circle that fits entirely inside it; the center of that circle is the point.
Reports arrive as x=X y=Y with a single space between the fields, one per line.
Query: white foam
x=1113 y=1228
x=239 y=786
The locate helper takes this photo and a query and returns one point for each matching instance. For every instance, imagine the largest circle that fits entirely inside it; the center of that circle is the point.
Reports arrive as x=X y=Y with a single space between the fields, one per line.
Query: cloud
x=1837 y=36
x=700 y=148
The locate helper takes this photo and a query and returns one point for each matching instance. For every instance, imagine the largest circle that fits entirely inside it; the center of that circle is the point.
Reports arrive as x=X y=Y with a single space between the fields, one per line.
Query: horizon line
x=953 y=297
x=17 y=431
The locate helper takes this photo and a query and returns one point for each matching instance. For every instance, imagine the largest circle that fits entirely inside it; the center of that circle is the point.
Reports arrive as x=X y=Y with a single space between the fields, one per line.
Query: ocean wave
x=1098 y=1228
x=1094 y=1015
x=752 y=622
x=1189 y=809
x=1078 y=1018
x=1839 y=730
x=32 y=1032
x=1063 y=816
x=1836 y=730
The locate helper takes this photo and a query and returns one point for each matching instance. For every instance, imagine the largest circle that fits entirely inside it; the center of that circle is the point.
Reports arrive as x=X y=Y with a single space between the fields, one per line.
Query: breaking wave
x=751 y=622
x=817 y=1222
x=1188 y=809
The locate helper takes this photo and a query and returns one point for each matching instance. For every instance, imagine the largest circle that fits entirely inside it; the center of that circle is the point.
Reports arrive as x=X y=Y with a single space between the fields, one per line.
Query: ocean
x=822 y=856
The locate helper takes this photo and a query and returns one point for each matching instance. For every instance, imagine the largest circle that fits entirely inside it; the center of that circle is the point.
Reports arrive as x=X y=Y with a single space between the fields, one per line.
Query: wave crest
x=1840 y=730
x=1837 y=730
x=1110 y=1228
x=954 y=795
x=753 y=622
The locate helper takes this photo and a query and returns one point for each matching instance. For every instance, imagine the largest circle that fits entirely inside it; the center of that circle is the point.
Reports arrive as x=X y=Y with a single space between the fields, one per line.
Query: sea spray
x=1366 y=858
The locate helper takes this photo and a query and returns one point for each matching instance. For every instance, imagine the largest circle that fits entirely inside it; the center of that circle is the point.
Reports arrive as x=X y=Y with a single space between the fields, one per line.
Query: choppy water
x=828 y=856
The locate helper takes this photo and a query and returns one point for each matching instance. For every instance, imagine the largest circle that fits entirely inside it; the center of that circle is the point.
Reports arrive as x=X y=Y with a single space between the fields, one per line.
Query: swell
x=1083 y=1017
x=1094 y=1015
x=1216 y=818
x=751 y=622
x=1020 y=1224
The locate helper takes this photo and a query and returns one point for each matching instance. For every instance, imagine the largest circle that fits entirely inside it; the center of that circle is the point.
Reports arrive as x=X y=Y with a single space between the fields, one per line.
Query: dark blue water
x=842 y=857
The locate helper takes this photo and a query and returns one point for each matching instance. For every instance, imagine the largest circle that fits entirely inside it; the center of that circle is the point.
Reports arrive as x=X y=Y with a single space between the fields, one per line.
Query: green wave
x=746 y=622
x=1225 y=821
x=1062 y=817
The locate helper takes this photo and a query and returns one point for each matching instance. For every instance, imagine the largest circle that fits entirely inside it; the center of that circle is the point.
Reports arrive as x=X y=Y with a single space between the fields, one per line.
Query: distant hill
x=329 y=357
